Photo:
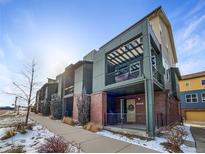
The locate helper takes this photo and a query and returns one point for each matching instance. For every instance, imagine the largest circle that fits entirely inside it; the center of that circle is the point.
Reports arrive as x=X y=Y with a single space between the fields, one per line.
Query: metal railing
x=122 y=75
x=157 y=75
x=120 y=120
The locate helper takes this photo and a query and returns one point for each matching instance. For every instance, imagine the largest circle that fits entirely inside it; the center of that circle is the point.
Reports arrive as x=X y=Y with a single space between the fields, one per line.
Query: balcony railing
x=157 y=75
x=69 y=90
x=123 y=74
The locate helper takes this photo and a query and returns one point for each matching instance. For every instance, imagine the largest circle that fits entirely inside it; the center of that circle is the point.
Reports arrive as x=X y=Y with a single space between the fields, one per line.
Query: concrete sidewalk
x=199 y=136
x=89 y=142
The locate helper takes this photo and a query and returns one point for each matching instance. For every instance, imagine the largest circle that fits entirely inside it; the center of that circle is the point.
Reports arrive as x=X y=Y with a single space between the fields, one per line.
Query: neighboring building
x=135 y=77
x=192 y=96
x=82 y=82
x=44 y=96
x=68 y=90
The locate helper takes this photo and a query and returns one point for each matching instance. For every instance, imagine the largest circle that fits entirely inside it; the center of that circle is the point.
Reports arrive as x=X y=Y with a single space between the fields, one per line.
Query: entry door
x=131 y=112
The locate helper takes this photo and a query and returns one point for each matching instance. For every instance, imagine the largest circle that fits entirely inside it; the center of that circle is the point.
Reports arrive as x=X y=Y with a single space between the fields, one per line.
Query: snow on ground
x=151 y=144
x=30 y=140
x=189 y=137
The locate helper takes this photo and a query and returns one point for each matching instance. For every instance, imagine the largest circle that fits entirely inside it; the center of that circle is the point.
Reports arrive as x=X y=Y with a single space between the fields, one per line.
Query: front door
x=131 y=112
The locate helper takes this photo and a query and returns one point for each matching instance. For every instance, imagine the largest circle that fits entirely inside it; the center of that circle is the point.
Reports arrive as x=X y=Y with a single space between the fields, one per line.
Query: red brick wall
x=98 y=107
x=168 y=106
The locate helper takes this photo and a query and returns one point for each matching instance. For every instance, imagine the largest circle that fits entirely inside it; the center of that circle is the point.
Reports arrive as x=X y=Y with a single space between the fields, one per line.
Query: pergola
x=126 y=52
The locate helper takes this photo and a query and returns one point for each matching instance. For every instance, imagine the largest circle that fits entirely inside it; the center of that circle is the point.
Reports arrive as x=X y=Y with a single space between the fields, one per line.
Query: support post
x=149 y=90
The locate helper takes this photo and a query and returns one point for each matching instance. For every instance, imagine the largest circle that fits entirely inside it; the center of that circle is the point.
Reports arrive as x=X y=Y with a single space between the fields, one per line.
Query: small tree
x=26 y=89
x=83 y=105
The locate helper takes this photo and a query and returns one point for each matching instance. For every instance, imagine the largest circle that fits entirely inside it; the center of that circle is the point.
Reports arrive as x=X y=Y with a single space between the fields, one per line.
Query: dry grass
x=68 y=120
x=93 y=127
x=17 y=149
x=171 y=147
x=8 y=134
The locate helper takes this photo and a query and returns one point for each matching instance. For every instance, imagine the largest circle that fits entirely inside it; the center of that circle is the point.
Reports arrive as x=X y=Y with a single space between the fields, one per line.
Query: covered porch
x=126 y=109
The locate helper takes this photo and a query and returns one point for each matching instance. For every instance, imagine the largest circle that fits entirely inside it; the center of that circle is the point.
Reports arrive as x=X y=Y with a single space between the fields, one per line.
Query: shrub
x=54 y=145
x=83 y=105
x=92 y=127
x=174 y=136
x=17 y=149
x=68 y=120
x=9 y=134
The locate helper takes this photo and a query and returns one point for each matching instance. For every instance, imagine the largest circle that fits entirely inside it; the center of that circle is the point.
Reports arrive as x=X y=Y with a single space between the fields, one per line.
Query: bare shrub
x=68 y=120
x=93 y=127
x=174 y=136
x=8 y=134
x=54 y=145
x=83 y=104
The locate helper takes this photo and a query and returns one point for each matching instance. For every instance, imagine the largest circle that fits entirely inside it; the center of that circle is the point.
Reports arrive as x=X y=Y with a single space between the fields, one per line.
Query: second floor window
x=203 y=97
x=203 y=82
x=191 y=98
x=187 y=84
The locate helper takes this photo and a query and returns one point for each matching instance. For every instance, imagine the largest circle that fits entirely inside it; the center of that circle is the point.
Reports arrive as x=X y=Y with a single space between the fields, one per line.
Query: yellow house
x=192 y=96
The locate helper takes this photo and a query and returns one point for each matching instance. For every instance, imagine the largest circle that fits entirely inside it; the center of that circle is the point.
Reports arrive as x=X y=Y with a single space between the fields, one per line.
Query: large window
x=203 y=82
x=203 y=97
x=191 y=98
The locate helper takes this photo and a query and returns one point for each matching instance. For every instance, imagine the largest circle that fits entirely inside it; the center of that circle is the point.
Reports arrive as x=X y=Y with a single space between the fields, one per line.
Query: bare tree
x=83 y=105
x=26 y=89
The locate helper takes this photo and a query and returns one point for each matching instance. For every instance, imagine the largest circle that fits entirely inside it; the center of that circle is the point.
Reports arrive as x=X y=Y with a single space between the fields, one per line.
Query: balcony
x=133 y=70
x=68 y=91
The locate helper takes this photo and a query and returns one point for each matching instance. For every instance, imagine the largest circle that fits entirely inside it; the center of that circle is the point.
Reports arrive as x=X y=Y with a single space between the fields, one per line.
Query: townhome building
x=192 y=96
x=132 y=80
x=44 y=96
x=135 y=77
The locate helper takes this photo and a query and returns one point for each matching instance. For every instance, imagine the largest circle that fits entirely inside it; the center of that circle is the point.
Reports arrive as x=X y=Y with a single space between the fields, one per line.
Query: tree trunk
x=27 y=115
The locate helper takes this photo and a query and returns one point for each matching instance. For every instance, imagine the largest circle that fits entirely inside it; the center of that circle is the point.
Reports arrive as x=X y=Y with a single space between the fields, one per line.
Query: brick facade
x=98 y=107
x=166 y=108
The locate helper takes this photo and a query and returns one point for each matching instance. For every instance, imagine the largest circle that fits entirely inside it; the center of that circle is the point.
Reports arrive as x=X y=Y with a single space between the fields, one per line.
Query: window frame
x=187 y=82
x=203 y=98
x=202 y=82
x=197 y=98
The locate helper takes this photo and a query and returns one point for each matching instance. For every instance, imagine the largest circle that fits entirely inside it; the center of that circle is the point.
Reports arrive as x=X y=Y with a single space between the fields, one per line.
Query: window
x=203 y=97
x=203 y=82
x=187 y=84
x=135 y=67
x=191 y=98
x=154 y=62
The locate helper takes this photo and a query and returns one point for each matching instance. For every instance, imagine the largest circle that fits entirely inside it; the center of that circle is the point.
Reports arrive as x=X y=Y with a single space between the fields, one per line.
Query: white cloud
x=190 y=43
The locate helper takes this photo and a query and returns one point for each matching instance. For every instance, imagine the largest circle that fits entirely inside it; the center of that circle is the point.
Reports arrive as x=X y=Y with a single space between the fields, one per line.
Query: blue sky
x=59 y=32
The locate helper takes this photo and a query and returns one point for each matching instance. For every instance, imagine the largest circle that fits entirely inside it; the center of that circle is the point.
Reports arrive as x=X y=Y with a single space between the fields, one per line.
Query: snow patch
x=151 y=144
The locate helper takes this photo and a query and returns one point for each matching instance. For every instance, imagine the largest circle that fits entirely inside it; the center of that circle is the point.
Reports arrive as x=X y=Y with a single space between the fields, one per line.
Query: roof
x=152 y=13
x=194 y=75
x=81 y=62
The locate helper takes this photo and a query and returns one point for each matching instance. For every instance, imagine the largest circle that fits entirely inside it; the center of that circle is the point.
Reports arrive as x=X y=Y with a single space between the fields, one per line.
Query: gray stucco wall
x=99 y=57
x=78 y=80
x=83 y=78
